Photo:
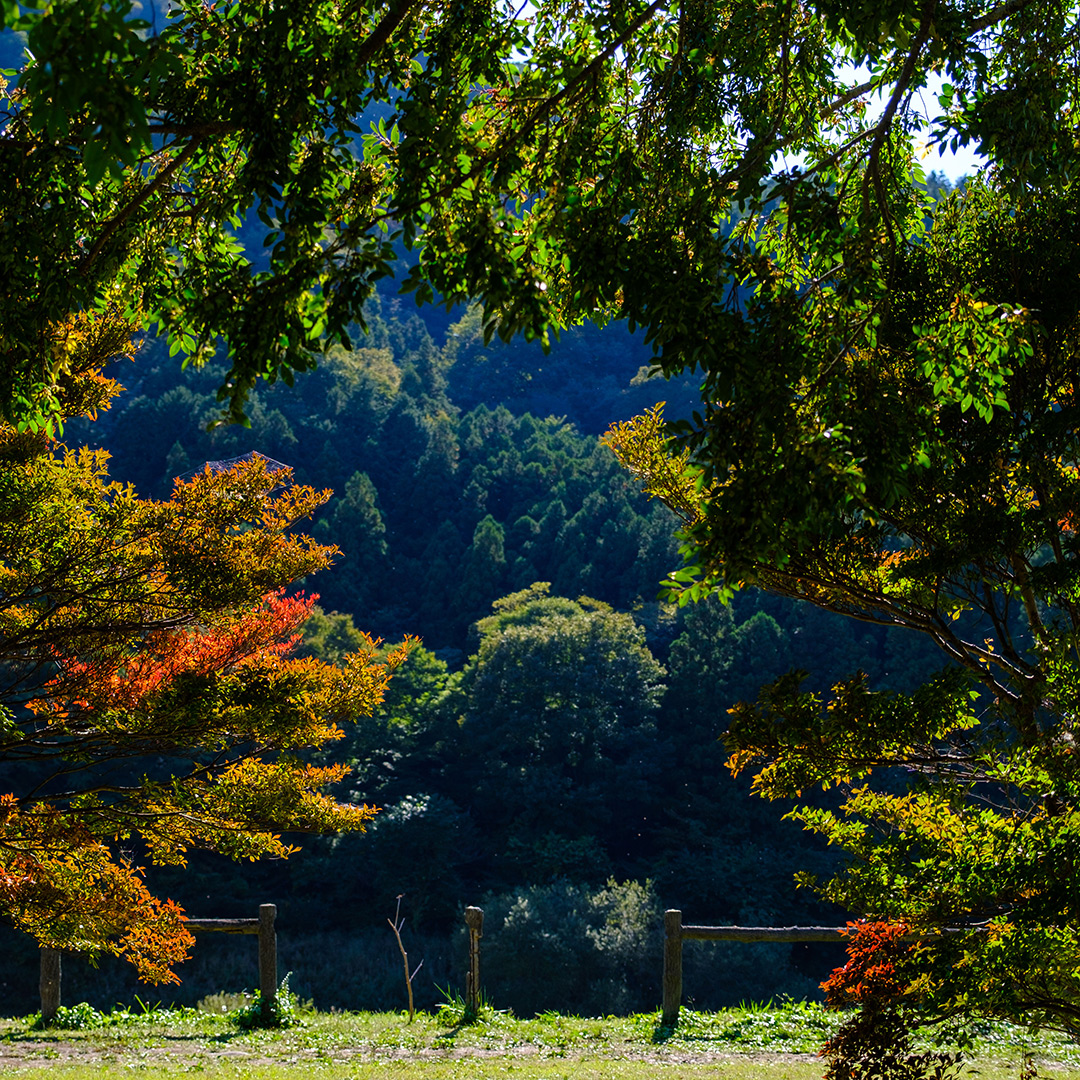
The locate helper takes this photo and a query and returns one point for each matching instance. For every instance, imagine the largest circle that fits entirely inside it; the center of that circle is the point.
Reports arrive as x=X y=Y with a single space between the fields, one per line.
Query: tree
x=970 y=388
x=358 y=525
x=149 y=703
x=566 y=163
x=484 y=564
x=558 y=727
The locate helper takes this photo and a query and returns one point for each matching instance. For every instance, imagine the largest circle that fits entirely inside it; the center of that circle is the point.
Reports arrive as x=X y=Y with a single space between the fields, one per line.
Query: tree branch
x=996 y=15
x=873 y=171
x=160 y=180
x=382 y=33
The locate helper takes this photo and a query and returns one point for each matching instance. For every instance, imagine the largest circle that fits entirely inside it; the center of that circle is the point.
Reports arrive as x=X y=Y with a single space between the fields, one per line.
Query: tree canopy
x=220 y=176
x=154 y=632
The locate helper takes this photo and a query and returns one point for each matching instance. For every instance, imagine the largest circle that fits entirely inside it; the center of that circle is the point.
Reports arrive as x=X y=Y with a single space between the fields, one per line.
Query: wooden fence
x=263 y=926
x=675 y=933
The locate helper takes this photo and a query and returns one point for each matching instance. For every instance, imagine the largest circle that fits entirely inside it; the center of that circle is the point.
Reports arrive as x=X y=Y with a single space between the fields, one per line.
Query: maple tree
x=960 y=805
x=877 y=1039
x=148 y=695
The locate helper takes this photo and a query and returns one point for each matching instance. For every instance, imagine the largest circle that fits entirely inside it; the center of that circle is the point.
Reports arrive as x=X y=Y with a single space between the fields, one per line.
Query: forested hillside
x=551 y=751
x=460 y=472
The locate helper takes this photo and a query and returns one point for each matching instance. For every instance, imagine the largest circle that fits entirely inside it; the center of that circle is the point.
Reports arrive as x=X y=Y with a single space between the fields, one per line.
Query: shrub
x=566 y=947
x=83 y=1016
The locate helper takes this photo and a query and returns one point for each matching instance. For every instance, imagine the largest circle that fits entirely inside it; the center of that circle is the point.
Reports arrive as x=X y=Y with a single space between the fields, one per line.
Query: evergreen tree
x=357 y=527
x=484 y=568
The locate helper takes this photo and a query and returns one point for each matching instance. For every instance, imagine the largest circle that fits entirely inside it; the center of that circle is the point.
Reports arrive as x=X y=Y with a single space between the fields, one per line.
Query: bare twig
x=396 y=923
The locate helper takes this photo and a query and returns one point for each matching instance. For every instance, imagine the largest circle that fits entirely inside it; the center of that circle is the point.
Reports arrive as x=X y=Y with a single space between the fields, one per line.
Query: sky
x=965 y=162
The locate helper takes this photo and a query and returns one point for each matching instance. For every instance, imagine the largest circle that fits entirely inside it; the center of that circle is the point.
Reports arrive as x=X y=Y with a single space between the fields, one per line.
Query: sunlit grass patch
x=752 y=1042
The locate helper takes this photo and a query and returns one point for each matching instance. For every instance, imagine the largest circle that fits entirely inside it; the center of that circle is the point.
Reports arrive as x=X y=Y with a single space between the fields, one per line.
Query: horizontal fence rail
x=798 y=933
x=675 y=933
x=263 y=926
x=762 y=933
x=222 y=926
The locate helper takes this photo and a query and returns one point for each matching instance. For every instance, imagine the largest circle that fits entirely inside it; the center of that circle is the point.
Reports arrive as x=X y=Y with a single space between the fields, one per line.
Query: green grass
x=749 y=1043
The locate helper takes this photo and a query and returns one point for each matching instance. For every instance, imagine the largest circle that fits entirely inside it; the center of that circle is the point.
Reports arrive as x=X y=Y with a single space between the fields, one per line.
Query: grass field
x=755 y=1043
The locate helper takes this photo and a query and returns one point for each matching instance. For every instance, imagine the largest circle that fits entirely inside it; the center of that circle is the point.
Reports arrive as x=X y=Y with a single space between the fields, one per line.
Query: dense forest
x=551 y=749
x=460 y=472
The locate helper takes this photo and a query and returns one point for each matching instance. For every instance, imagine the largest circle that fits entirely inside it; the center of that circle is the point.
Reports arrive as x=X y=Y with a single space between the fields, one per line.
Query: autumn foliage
x=871 y=975
x=876 y=1040
x=160 y=632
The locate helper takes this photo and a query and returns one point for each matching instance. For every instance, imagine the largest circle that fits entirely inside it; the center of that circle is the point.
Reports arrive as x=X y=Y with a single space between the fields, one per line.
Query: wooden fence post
x=50 y=984
x=267 y=960
x=672 y=967
x=474 y=920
